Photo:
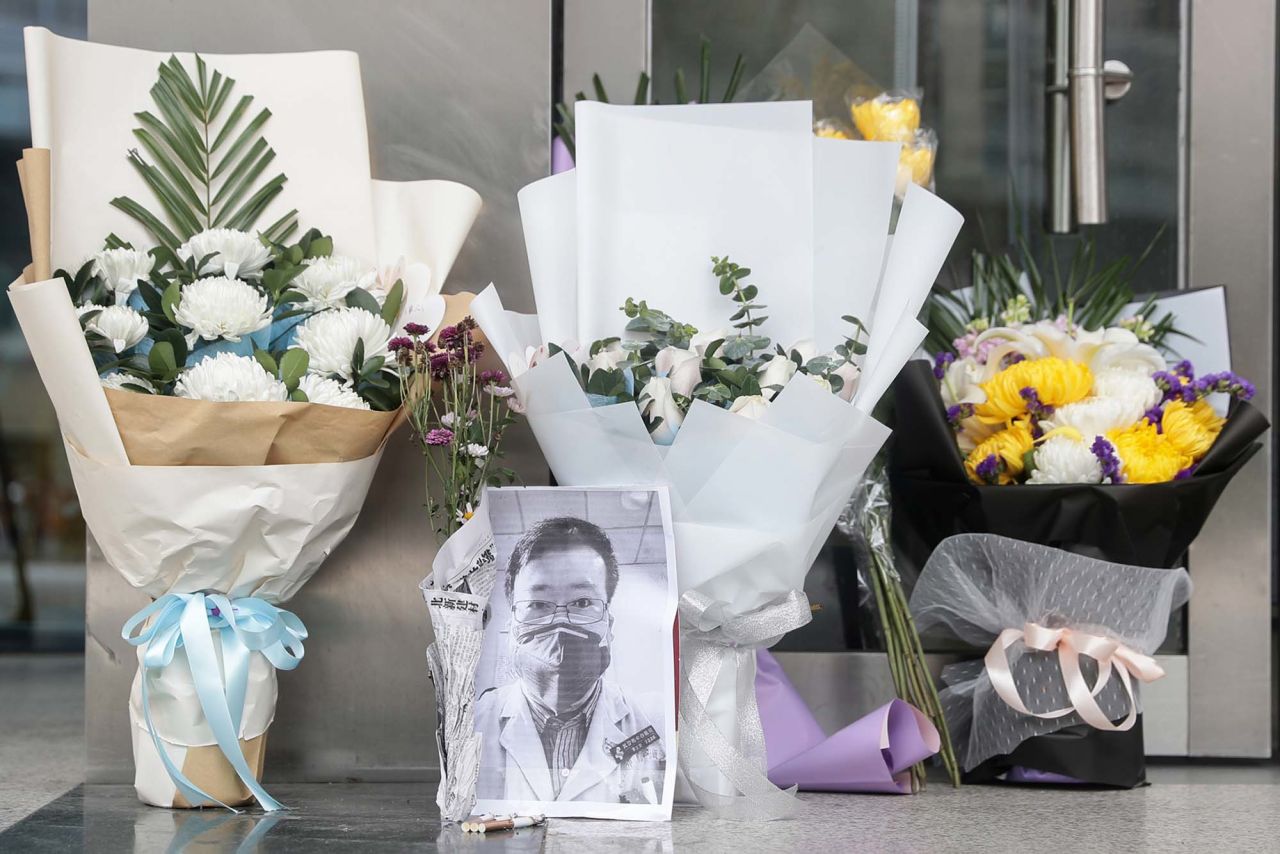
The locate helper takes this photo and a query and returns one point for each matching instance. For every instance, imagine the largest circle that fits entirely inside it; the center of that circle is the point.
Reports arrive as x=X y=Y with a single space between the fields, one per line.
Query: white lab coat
x=513 y=765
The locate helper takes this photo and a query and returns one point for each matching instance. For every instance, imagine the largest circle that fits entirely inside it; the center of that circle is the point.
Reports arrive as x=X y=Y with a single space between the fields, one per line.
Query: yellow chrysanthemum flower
x=1008 y=448
x=886 y=118
x=1147 y=455
x=1056 y=382
x=1192 y=429
x=829 y=132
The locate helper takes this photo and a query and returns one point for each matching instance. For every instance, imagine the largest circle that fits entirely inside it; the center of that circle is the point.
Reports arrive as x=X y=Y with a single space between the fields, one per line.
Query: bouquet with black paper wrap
x=1145 y=524
x=1054 y=699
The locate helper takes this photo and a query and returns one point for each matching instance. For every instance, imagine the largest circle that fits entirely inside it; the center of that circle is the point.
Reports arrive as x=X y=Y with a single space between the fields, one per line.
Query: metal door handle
x=1080 y=84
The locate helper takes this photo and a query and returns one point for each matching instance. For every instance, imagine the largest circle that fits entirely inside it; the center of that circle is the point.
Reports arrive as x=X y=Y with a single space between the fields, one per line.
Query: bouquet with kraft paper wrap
x=221 y=378
x=652 y=362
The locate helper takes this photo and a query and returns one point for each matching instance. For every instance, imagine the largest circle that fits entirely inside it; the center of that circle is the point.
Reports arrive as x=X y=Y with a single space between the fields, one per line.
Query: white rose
x=702 y=340
x=775 y=372
x=684 y=367
x=1121 y=348
x=1062 y=459
x=607 y=358
x=821 y=381
x=657 y=401
x=751 y=406
x=848 y=372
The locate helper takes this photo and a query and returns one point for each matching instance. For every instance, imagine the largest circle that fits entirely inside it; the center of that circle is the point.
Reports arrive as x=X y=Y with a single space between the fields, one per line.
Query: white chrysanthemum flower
x=228 y=377
x=119 y=324
x=477 y=451
x=121 y=269
x=1132 y=386
x=236 y=254
x=117 y=380
x=219 y=307
x=1095 y=416
x=1064 y=459
x=330 y=339
x=325 y=282
x=330 y=392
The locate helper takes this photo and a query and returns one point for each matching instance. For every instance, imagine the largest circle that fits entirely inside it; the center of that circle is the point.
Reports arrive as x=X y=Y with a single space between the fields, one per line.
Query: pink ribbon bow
x=1071 y=644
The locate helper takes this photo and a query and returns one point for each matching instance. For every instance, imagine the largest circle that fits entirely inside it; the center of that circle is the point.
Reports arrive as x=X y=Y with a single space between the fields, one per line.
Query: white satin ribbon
x=1110 y=654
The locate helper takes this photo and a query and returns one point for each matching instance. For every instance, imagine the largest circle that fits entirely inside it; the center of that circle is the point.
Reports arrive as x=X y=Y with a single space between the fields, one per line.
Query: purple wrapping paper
x=872 y=754
x=561 y=159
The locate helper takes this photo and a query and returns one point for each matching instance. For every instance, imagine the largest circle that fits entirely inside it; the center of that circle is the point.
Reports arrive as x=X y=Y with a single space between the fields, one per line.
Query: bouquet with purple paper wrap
x=1068 y=639
x=761 y=445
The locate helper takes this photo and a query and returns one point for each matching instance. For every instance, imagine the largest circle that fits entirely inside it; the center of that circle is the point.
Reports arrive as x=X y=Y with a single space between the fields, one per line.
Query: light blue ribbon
x=245 y=626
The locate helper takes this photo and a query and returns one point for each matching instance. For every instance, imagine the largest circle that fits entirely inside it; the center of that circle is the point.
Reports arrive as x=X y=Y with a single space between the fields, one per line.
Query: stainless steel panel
x=609 y=38
x=453 y=90
x=1230 y=198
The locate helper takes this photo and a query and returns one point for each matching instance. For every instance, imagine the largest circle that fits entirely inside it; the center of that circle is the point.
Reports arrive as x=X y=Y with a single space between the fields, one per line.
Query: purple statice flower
x=1155 y=415
x=1186 y=472
x=1185 y=369
x=1175 y=387
x=1035 y=407
x=399 y=343
x=964 y=345
x=1012 y=359
x=439 y=436
x=1106 y=454
x=940 y=363
x=957 y=413
x=988 y=471
x=417 y=329
x=1225 y=382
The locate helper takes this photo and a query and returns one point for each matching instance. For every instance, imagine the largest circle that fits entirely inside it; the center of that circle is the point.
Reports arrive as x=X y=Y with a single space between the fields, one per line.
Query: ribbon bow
x=245 y=626
x=712 y=645
x=1110 y=654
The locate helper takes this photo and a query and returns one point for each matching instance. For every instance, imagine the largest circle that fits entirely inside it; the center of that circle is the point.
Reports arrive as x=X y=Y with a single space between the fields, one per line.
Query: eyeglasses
x=579 y=612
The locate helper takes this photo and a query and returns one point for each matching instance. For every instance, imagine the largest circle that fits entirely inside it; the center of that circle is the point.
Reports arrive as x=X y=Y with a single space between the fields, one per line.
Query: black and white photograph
x=575 y=694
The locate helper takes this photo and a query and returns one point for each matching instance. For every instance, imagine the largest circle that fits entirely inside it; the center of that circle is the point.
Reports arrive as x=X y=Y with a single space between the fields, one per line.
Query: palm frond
x=203 y=163
x=562 y=120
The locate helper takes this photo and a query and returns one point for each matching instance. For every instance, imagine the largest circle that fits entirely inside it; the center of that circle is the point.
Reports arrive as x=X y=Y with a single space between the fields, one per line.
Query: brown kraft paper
x=209 y=771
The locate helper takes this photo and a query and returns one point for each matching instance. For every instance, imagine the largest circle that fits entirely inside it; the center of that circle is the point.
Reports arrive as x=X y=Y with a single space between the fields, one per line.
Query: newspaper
x=457 y=594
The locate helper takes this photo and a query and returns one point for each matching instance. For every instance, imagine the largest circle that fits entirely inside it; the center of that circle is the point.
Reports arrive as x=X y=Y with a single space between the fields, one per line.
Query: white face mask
x=559 y=663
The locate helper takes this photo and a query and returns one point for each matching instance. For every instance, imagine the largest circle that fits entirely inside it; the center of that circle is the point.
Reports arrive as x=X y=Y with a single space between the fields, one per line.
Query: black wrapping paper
x=1139 y=524
x=1091 y=756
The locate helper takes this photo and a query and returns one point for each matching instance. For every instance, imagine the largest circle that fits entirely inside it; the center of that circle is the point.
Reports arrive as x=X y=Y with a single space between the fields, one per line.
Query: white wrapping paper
x=657 y=192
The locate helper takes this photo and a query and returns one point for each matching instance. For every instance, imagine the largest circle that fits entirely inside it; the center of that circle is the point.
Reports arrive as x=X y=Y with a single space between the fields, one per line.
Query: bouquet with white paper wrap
x=216 y=481
x=756 y=490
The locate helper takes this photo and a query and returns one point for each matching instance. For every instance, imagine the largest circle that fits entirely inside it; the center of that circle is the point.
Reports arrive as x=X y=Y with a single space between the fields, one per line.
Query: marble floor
x=44 y=807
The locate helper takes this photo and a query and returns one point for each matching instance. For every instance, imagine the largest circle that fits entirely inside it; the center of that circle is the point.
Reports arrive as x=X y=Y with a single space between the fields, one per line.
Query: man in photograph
x=560 y=730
